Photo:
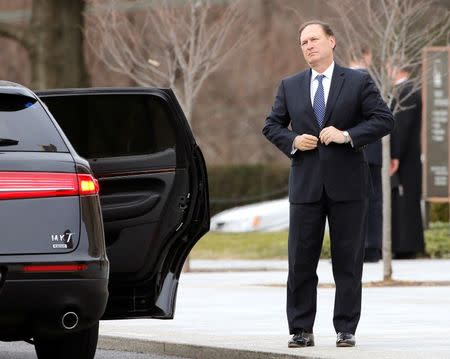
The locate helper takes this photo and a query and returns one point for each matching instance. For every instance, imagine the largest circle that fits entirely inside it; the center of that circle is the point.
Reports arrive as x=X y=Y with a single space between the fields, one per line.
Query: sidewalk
x=240 y=313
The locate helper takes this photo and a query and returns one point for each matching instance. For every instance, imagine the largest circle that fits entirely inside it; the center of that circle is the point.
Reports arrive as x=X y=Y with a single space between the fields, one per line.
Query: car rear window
x=25 y=126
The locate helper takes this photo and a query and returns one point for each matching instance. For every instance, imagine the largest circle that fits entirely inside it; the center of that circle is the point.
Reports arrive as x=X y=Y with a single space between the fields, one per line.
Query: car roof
x=12 y=88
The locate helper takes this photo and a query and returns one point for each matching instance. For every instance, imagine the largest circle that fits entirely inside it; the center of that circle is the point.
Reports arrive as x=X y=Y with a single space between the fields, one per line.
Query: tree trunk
x=56 y=44
x=386 y=183
x=267 y=9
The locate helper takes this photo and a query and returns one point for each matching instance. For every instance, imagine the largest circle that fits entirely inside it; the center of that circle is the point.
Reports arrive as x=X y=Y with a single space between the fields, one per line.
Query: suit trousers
x=347 y=223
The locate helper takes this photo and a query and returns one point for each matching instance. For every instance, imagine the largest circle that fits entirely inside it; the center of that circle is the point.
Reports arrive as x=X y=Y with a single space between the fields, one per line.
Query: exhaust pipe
x=69 y=320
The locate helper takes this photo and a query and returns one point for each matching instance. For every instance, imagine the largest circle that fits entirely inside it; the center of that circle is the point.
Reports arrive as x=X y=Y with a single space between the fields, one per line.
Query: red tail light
x=87 y=185
x=54 y=268
x=16 y=185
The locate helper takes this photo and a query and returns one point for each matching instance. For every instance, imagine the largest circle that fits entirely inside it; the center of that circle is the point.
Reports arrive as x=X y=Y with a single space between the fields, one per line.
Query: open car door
x=153 y=188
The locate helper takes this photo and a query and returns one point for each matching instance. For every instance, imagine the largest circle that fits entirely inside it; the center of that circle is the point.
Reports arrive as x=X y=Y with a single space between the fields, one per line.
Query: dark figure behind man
x=333 y=113
x=407 y=228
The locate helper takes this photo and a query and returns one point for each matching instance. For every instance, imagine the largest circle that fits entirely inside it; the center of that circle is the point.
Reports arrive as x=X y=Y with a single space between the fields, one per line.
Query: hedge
x=439 y=212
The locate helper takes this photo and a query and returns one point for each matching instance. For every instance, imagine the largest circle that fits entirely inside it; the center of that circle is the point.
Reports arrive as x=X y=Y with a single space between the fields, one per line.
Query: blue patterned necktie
x=319 y=102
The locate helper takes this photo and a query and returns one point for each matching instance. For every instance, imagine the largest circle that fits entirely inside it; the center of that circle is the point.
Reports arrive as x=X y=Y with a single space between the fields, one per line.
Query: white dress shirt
x=326 y=82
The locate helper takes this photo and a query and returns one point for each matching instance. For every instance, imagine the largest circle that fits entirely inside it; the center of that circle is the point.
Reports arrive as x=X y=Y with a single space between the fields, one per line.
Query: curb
x=234 y=270
x=187 y=350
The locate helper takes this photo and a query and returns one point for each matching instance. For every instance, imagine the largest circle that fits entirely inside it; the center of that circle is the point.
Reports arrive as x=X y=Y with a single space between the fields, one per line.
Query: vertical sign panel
x=436 y=123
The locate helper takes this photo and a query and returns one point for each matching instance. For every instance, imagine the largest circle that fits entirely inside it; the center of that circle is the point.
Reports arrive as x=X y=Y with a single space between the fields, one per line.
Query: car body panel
x=264 y=216
x=25 y=232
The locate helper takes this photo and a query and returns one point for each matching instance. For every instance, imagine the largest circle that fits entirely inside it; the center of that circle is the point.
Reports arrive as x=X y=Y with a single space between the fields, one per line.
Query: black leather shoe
x=345 y=340
x=302 y=339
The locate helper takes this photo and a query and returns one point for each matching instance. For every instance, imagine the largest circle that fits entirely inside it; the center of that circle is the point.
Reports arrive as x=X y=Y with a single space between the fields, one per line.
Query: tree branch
x=174 y=44
x=16 y=33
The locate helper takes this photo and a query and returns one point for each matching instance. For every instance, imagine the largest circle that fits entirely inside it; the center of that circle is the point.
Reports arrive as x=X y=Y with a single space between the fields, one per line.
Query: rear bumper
x=35 y=307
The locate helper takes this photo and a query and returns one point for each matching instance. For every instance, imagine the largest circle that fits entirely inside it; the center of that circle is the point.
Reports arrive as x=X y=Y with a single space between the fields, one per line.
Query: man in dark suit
x=333 y=113
x=374 y=153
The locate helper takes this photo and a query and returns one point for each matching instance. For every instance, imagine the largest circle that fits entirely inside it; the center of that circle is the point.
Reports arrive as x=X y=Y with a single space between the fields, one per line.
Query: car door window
x=108 y=126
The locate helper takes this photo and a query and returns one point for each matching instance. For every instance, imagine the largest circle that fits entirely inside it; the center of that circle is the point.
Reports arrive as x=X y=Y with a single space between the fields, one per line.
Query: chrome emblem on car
x=62 y=241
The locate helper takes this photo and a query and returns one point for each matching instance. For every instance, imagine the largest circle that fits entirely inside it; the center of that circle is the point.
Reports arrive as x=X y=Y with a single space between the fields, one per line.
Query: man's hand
x=331 y=134
x=394 y=166
x=305 y=142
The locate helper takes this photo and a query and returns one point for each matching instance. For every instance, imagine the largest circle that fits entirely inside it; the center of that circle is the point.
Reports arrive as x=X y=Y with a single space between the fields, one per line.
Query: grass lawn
x=254 y=245
x=273 y=245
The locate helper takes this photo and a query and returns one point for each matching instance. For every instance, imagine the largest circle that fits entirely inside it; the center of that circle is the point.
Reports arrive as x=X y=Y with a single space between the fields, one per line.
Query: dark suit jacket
x=374 y=150
x=407 y=228
x=354 y=104
x=405 y=138
x=374 y=153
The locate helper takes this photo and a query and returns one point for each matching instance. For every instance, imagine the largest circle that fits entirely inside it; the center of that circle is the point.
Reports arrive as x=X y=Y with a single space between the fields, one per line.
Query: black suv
x=103 y=193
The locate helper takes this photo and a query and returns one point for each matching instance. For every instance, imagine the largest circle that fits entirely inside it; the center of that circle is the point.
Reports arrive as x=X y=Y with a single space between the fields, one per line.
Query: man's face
x=317 y=46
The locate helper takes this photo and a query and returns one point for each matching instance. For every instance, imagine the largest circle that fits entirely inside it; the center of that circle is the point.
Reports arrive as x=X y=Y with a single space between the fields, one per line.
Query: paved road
x=22 y=350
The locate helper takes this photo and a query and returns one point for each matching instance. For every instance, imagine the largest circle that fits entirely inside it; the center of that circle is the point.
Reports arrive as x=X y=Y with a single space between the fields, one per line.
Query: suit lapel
x=305 y=90
x=337 y=81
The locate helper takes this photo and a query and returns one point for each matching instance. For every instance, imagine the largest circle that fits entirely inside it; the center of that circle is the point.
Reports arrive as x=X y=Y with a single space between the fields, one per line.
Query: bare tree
x=397 y=32
x=168 y=43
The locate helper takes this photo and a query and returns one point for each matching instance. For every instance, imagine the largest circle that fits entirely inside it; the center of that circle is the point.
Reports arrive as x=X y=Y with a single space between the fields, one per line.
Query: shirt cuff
x=293 y=148
x=350 y=139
